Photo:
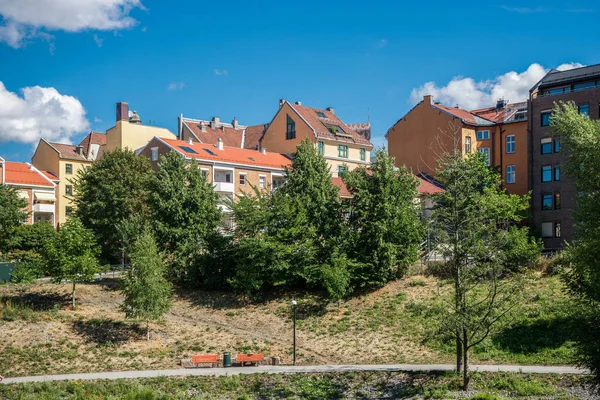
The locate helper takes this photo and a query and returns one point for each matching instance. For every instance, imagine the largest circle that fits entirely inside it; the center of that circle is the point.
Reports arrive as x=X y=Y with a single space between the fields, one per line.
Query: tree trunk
x=73 y=296
x=147 y=330
x=459 y=353
x=465 y=361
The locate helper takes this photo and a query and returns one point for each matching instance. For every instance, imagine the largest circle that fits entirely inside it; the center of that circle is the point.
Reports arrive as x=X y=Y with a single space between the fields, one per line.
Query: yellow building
x=342 y=147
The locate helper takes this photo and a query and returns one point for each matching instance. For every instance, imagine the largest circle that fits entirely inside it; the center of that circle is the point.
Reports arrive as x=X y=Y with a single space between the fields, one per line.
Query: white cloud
x=40 y=113
x=23 y=19
x=97 y=120
x=98 y=40
x=525 y=10
x=175 y=85
x=220 y=72
x=382 y=43
x=470 y=94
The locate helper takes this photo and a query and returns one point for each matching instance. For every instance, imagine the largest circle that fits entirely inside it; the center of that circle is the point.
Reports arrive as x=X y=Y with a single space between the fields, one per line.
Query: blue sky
x=238 y=58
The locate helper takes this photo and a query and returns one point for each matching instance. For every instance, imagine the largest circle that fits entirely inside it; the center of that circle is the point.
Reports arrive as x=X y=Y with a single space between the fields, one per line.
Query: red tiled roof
x=344 y=192
x=253 y=135
x=499 y=116
x=457 y=112
x=426 y=187
x=231 y=137
x=92 y=138
x=23 y=174
x=363 y=129
x=68 y=151
x=318 y=124
x=229 y=154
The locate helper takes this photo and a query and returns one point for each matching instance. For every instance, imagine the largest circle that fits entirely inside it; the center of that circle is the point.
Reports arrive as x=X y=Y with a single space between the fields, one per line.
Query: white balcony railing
x=224 y=187
x=47 y=208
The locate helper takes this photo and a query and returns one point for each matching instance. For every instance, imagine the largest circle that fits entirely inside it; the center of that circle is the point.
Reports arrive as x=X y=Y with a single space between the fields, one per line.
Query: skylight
x=250 y=158
x=209 y=152
x=188 y=149
x=321 y=114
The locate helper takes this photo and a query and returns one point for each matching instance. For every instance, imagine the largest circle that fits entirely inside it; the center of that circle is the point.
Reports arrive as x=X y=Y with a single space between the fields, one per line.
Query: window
x=510 y=144
x=467 y=144
x=290 y=132
x=486 y=151
x=342 y=151
x=242 y=179
x=341 y=170
x=584 y=109
x=557 y=145
x=209 y=151
x=68 y=169
x=557 y=201
x=68 y=211
x=363 y=154
x=321 y=114
x=69 y=190
x=154 y=153
x=561 y=90
x=204 y=172
x=557 y=172
x=546 y=145
x=557 y=229
x=336 y=130
x=546 y=118
x=262 y=181
x=547 y=229
x=188 y=149
x=483 y=135
x=547 y=173
x=586 y=85
x=510 y=174
x=546 y=202
x=321 y=147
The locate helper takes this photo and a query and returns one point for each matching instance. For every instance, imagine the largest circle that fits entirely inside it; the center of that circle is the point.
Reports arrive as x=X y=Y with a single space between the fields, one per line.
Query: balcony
x=226 y=187
x=45 y=208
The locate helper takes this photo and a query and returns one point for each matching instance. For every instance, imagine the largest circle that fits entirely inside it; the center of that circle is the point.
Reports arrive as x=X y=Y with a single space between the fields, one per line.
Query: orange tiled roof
x=231 y=137
x=344 y=192
x=205 y=151
x=319 y=124
x=50 y=176
x=253 y=135
x=20 y=173
x=426 y=187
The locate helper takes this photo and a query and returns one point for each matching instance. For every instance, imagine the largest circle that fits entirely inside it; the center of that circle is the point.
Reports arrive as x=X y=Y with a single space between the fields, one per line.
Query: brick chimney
x=428 y=99
x=122 y=111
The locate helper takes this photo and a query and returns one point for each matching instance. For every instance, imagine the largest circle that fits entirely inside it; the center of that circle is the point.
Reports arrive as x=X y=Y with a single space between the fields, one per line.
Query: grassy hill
x=42 y=335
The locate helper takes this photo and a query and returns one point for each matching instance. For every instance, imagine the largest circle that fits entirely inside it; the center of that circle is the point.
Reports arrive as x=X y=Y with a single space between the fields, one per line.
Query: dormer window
x=290 y=132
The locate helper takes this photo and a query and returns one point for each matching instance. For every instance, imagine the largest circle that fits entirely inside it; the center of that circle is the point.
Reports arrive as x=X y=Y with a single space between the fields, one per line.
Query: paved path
x=292 y=370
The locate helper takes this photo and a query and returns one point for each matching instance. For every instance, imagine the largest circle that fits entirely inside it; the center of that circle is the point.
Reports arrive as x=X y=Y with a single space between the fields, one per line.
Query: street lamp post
x=294 y=303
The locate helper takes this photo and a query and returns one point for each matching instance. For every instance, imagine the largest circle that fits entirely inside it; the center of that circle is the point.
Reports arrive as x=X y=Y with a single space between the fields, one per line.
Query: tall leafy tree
x=184 y=212
x=472 y=219
x=11 y=208
x=148 y=294
x=384 y=218
x=112 y=190
x=580 y=138
x=72 y=254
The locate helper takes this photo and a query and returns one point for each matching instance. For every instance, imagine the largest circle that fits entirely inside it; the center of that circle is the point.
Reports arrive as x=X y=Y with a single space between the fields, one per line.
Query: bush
x=29 y=266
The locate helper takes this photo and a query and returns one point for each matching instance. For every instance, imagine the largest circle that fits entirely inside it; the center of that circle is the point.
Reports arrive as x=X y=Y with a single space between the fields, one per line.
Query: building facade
x=34 y=186
x=554 y=194
x=431 y=129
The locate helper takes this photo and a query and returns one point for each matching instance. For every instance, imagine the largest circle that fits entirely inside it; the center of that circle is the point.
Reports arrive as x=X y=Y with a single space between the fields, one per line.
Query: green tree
x=11 y=208
x=184 y=212
x=580 y=139
x=72 y=254
x=472 y=220
x=112 y=190
x=384 y=219
x=147 y=292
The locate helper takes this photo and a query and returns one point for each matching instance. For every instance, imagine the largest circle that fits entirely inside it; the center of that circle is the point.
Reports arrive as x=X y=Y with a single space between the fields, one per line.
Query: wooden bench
x=249 y=358
x=212 y=359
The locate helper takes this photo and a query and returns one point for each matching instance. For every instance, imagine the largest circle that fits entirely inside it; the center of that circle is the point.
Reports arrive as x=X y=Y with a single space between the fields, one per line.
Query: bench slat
x=206 y=358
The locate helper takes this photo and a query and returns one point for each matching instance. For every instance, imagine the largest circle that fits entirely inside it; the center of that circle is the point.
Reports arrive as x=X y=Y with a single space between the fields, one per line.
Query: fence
x=6 y=270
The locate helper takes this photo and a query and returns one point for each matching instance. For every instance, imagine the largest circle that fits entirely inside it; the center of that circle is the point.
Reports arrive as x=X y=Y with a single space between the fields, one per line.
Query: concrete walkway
x=293 y=370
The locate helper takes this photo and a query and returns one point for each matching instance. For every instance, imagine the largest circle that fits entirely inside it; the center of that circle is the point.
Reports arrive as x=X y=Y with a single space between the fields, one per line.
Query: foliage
x=472 y=220
x=29 y=266
x=29 y=237
x=184 y=212
x=386 y=230
x=11 y=208
x=580 y=137
x=146 y=290
x=71 y=254
x=112 y=190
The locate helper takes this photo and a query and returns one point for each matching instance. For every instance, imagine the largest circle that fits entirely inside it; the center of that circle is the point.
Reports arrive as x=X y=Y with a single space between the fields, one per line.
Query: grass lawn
x=42 y=335
x=374 y=385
